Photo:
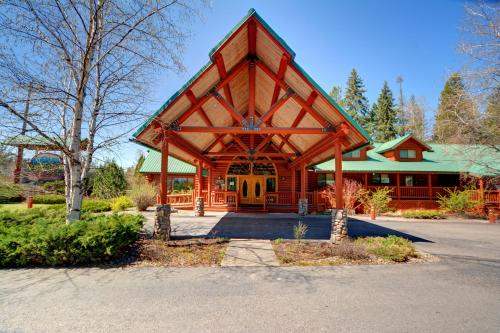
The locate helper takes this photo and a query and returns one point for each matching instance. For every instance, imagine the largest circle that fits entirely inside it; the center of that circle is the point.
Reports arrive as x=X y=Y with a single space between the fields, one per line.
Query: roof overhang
x=252 y=98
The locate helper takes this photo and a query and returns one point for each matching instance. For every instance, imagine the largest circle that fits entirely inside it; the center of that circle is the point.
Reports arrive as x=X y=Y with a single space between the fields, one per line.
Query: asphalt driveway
x=460 y=293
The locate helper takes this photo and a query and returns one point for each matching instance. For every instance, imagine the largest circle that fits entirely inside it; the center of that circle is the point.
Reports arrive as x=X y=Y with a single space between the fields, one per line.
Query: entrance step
x=249 y=252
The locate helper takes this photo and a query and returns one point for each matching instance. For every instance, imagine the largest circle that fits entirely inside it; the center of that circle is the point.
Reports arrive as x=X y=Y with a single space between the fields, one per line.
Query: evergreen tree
x=355 y=102
x=370 y=121
x=384 y=114
x=456 y=114
x=416 y=118
x=109 y=181
x=336 y=94
x=138 y=165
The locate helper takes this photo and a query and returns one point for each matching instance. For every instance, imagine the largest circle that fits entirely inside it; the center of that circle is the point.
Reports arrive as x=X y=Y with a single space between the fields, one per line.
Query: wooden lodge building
x=252 y=130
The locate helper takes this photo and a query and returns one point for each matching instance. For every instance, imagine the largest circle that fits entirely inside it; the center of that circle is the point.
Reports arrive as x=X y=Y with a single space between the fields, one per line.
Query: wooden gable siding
x=409 y=144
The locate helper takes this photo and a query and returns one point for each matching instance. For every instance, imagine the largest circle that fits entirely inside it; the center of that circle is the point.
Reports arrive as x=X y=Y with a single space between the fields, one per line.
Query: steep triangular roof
x=393 y=144
x=253 y=86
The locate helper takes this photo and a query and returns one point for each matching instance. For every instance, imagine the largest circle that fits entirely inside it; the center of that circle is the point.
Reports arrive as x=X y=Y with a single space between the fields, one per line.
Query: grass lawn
x=182 y=253
x=21 y=205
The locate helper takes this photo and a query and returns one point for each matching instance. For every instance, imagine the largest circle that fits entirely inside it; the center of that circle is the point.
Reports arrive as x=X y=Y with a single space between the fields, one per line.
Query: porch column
x=294 y=185
x=209 y=187
x=429 y=182
x=199 y=205
x=481 y=192
x=338 y=229
x=303 y=204
x=162 y=218
x=19 y=161
x=398 y=186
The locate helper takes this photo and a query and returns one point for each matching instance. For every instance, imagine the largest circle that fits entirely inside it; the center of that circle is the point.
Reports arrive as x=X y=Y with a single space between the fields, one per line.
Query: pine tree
x=355 y=102
x=402 y=116
x=384 y=113
x=455 y=112
x=336 y=94
x=416 y=118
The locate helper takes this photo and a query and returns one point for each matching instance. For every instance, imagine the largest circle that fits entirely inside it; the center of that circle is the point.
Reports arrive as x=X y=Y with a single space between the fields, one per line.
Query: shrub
x=391 y=248
x=354 y=195
x=40 y=237
x=49 y=199
x=351 y=251
x=456 y=201
x=299 y=231
x=56 y=187
x=423 y=214
x=142 y=193
x=121 y=203
x=379 y=199
x=95 y=206
x=109 y=181
x=10 y=192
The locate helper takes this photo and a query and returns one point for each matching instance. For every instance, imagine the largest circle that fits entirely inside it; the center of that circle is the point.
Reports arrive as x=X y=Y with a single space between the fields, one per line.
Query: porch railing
x=225 y=199
x=180 y=200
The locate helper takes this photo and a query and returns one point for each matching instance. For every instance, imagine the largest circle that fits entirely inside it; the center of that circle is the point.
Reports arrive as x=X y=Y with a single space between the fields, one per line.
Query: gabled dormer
x=357 y=154
x=404 y=149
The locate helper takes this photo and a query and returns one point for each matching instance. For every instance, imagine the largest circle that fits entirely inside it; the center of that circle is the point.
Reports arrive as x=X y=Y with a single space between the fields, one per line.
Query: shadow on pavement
x=359 y=228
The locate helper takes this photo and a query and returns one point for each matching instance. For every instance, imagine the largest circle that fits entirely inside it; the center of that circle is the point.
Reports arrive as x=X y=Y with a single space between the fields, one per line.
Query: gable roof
x=233 y=50
x=443 y=158
x=393 y=144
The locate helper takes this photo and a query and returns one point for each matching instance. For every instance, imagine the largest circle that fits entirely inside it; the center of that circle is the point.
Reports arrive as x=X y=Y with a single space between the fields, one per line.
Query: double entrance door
x=252 y=190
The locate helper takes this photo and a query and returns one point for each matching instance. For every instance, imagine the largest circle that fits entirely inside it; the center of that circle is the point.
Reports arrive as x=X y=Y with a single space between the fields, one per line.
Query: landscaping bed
x=181 y=253
x=368 y=250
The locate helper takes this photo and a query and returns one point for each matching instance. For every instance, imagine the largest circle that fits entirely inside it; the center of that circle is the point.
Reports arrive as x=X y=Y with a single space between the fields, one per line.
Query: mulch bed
x=181 y=253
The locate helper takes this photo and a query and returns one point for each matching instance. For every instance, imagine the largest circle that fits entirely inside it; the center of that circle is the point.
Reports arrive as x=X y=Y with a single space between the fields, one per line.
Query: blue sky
x=381 y=39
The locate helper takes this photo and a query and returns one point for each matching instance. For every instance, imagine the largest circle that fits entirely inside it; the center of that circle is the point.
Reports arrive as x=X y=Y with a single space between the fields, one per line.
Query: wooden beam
x=263 y=143
x=276 y=106
x=245 y=154
x=303 y=181
x=251 y=89
x=284 y=140
x=339 y=182
x=221 y=84
x=294 y=184
x=319 y=147
x=221 y=68
x=266 y=130
x=285 y=59
x=240 y=143
x=218 y=140
x=164 y=171
x=199 y=175
x=235 y=115
x=252 y=37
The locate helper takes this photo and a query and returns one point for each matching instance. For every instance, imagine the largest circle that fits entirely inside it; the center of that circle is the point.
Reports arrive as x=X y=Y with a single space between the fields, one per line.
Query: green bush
x=457 y=201
x=391 y=248
x=10 y=192
x=56 y=187
x=142 y=193
x=109 y=181
x=39 y=237
x=423 y=214
x=49 y=199
x=121 y=203
x=379 y=199
x=95 y=206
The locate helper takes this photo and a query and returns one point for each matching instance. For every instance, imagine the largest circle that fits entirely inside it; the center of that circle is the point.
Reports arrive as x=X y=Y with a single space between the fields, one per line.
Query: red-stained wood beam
x=246 y=155
x=221 y=84
x=310 y=101
x=275 y=107
x=221 y=68
x=201 y=111
x=240 y=143
x=252 y=37
x=251 y=89
x=263 y=143
x=164 y=171
x=288 y=143
x=265 y=130
x=235 y=115
x=218 y=140
x=285 y=59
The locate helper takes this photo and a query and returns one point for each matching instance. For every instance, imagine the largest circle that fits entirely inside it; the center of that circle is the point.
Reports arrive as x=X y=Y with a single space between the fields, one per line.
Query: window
x=239 y=169
x=271 y=185
x=325 y=179
x=409 y=181
x=231 y=184
x=263 y=169
x=408 y=153
x=380 y=178
x=353 y=154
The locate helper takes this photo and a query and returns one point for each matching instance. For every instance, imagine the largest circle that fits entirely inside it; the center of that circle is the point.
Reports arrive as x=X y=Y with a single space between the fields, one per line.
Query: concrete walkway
x=249 y=252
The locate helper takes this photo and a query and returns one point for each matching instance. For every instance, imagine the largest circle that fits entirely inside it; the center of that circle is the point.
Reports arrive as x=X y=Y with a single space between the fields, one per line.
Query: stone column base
x=339 y=225
x=162 y=222
x=303 y=206
x=199 y=207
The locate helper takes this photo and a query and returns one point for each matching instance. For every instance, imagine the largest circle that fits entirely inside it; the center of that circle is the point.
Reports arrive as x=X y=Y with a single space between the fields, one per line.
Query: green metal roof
x=152 y=164
x=389 y=145
x=19 y=140
x=445 y=158
x=250 y=13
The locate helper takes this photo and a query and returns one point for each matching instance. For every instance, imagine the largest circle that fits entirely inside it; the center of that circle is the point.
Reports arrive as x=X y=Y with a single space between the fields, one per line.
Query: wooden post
x=294 y=185
x=398 y=186
x=366 y=180
x=303 y=181
x=20 y=148
x=429 y=183
x=164 y=171
x=199 y=174
x=209 y=188
x=339 y=195
x=481 y=192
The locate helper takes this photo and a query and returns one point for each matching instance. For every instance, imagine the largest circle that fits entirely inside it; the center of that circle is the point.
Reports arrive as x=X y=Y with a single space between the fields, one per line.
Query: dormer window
x=407 y=153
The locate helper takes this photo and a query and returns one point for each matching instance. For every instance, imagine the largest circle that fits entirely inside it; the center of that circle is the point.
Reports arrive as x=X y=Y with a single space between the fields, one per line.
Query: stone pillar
x=162 y=222
x=339 y=225
x=303 y=206
x=199 y=207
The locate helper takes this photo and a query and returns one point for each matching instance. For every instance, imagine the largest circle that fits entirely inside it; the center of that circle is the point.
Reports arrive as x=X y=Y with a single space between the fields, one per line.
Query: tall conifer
x=355 y=102
x=384 y=113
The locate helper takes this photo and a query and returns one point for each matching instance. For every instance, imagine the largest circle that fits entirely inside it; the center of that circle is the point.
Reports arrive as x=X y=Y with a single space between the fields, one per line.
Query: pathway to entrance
x=249 y=252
